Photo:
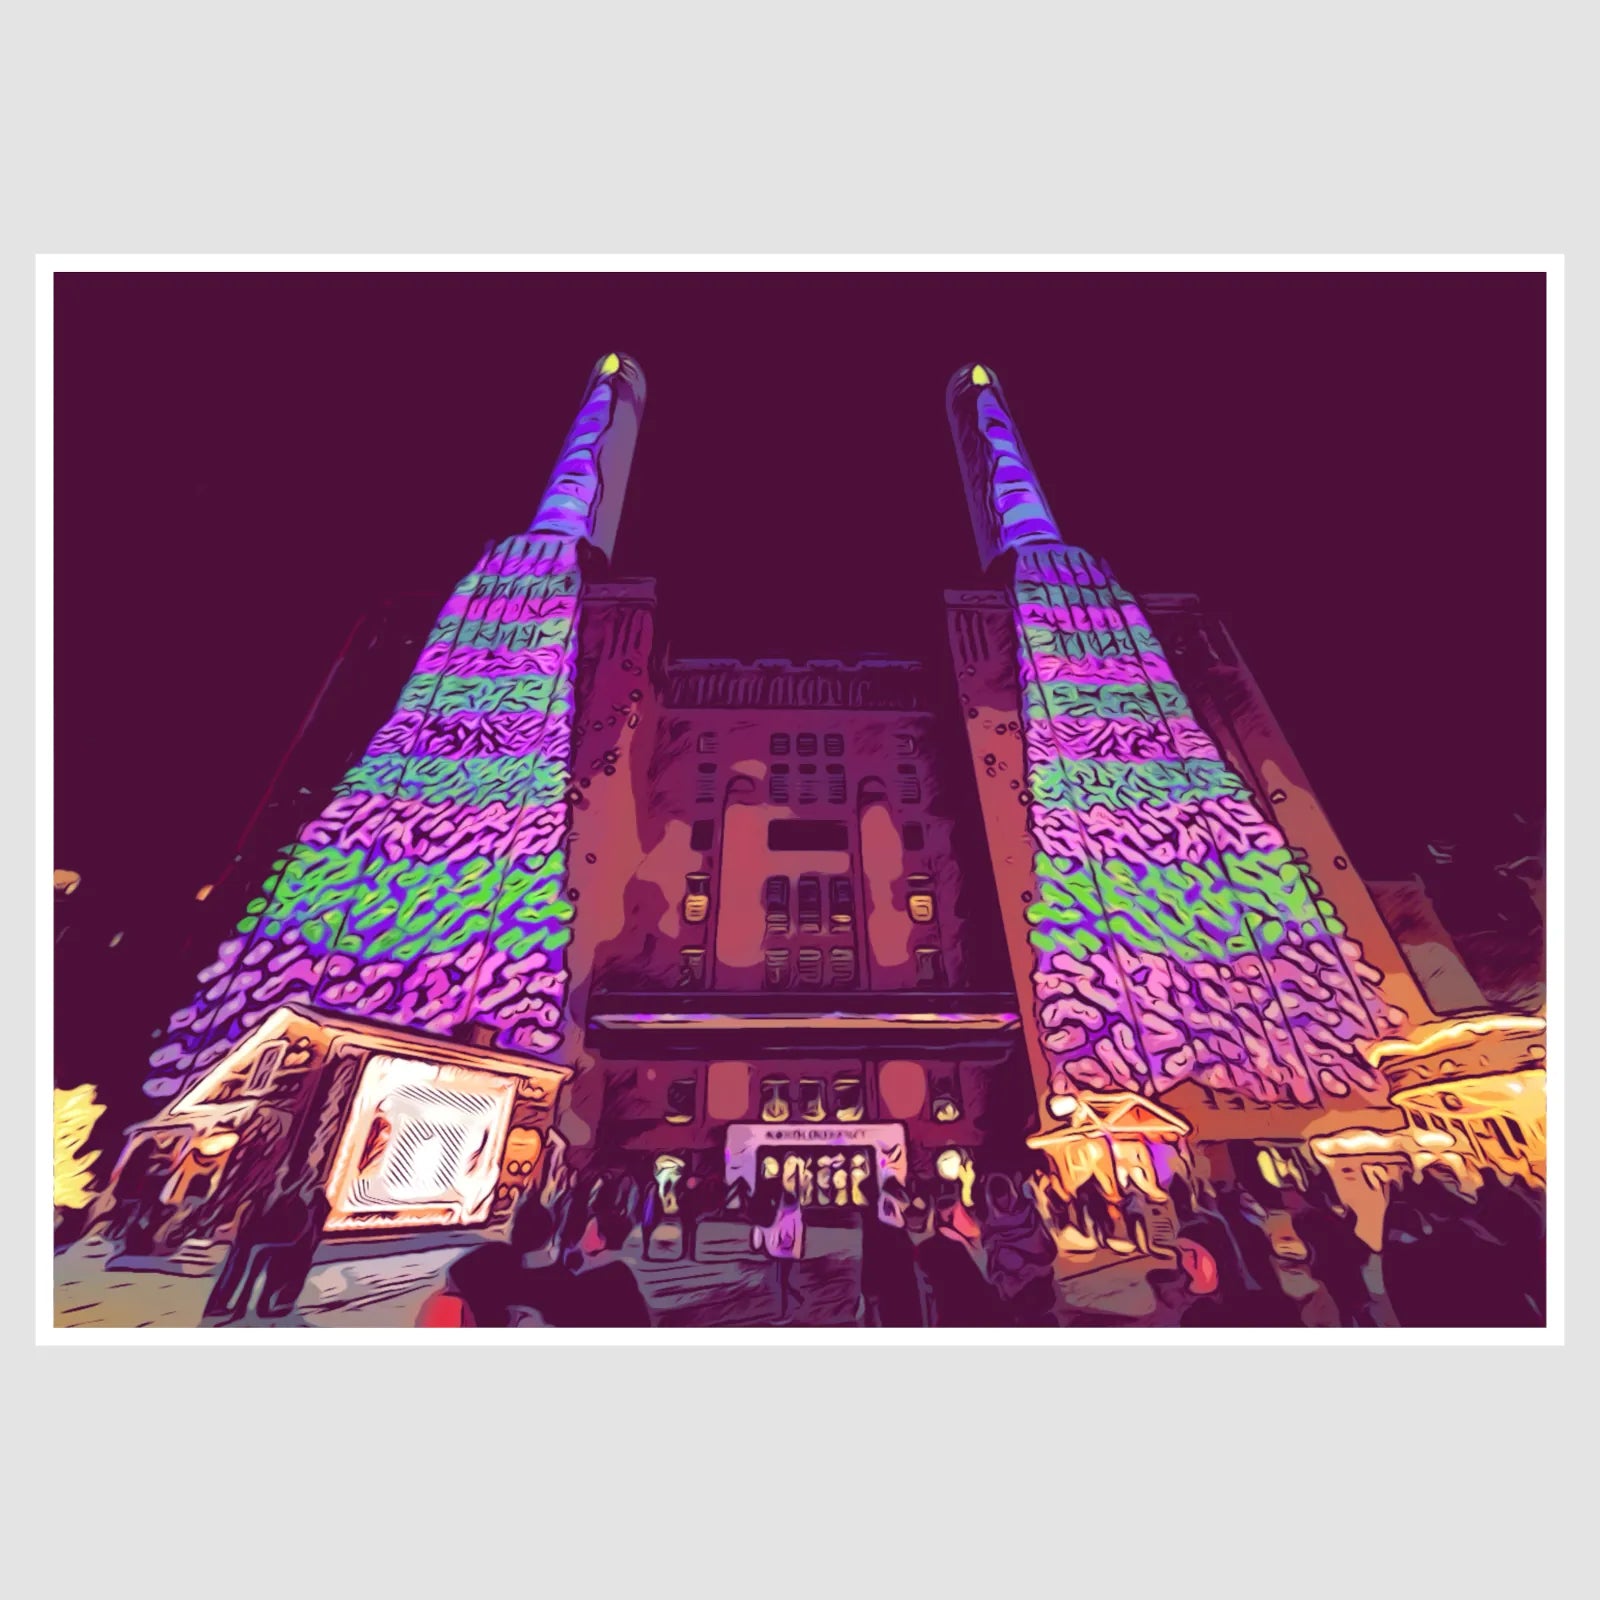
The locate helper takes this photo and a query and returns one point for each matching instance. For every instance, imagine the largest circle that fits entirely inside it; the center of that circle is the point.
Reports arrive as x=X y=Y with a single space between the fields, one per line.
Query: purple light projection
x=430 y=890
x=1175 y=934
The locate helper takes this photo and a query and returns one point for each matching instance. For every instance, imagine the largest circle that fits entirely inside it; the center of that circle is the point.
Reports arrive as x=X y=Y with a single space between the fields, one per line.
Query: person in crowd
x=1512 y=1210
x=1338 y=1257
x=476 y=1292
x=1475 y=1279
x=959 y=1296
x=660 y=1202
x=778 y=1230
x=604 y=1293
x=889 y=1285
x=1263 y=1303
x=1061 y=1212
x=1095 y=1210
x=1136 y=1217
x=542 y=1292
x=290 y=1266
x=702 y=1198
x=1020 y=1254
x=1181 y=1304
x=268 y=1226
x=577 y=1206
x=1411 y=1262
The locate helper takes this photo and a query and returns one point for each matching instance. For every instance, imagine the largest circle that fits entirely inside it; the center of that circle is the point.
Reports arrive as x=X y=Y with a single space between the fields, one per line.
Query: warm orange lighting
x=204 y=891
x=216 y=1144
x=1462 y=1030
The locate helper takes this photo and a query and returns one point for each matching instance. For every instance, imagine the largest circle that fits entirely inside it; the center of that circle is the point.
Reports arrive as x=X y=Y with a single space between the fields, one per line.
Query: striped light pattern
x=1176 y=935
x=430 y=891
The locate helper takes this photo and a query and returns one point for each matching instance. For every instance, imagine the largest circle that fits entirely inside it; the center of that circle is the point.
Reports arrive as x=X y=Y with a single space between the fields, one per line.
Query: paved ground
x=725 y=1286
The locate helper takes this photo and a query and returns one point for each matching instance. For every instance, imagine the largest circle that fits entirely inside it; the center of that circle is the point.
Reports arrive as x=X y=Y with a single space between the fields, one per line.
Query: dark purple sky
x=1352 y=467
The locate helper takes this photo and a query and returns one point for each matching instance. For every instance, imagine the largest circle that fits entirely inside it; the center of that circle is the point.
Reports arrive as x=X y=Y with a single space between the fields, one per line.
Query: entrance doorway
x=834 y=1180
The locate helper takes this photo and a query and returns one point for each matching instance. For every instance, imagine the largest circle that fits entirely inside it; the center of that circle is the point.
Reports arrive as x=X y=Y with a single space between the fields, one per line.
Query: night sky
x=1350 y=467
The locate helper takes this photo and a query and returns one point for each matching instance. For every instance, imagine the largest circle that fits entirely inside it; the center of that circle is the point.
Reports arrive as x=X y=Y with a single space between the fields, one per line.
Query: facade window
x=919 y=898
x=265 y=1066
x=813 y=1108
x=692 y=967
x=836 y=787
x=841 y=902
x=702 y=834
x=810 y=903
x=805 y=744
x=809 y=965
x=775 y=1099
x=777 y=973
x=778 y=785
x=913 y=836
x=841 y=967
x=775 y=901
x=705 y=783
x=849 y=1104
x=680 y=1100
x=779 y=745
x=808 y=784
x=930 y=968
x=833 y=744
x=697 y=902
x=909 y=784
x=706 y=744
x=906 y=743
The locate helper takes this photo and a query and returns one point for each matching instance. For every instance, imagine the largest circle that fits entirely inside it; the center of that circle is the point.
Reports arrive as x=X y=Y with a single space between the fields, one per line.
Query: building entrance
x=827 y=1164
x=833 y=1179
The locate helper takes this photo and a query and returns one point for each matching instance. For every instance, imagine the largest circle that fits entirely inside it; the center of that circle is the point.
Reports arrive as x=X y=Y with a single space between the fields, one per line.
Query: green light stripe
x=531 y=691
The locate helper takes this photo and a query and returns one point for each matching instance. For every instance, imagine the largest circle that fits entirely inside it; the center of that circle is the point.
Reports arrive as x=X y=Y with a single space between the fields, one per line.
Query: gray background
x=1361 y=127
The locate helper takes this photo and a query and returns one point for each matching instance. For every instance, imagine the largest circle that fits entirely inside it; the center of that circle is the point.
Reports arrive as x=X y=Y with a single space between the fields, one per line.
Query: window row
x=841 y=1099
x=807 y=904
x=807 y=787
x=809 y=967
x=805 y=744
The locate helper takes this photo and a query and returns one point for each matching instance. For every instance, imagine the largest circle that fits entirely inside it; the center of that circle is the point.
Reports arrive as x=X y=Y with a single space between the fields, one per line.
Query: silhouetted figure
x=581 y=1201
x=1412 y=1264
x=268 y=1229
x=1095 y=1210
x=959 y=1295
x=778 y=1231
x=1180 y=1305
x=542 y=1287
x=1021 y=1255
x=1513 y=1212
x=701 y=1198
x=605 y=1293
x=888 y=1262
x=1475 y=1279
x=1182 y=1202
x=1338 y=1260
x=289 y=1266
x=1136 y=1217
x=1263 y=1303
x=476 y=1291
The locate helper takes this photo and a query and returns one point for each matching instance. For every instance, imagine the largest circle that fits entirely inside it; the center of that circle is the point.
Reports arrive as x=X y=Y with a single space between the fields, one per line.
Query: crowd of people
x=1456 y=1253
x=986 y=1253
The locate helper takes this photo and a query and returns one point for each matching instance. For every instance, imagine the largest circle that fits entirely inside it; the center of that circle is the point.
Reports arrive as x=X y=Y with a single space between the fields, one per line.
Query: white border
x=1553 y=266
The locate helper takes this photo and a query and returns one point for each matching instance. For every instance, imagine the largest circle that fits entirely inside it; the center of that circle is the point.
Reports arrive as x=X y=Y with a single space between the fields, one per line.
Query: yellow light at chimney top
x=980 y=376
x=611 y=364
